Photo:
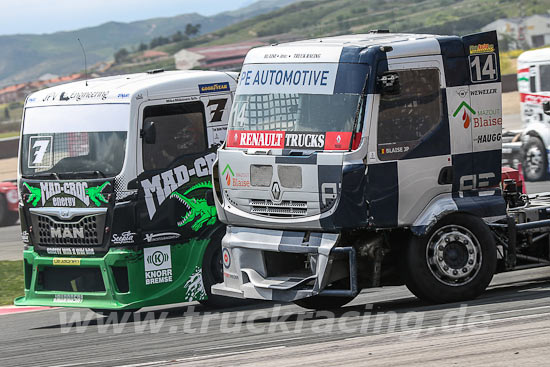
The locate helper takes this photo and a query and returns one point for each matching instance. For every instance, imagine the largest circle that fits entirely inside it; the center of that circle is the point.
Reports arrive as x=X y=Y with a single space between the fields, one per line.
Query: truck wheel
x=212 y=273
x=454 y=262
x=323 y=302
x=535 y=160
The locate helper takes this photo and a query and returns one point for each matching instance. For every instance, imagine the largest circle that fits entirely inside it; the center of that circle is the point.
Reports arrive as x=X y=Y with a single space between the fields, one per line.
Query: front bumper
x=116 y=281
x=283 y=265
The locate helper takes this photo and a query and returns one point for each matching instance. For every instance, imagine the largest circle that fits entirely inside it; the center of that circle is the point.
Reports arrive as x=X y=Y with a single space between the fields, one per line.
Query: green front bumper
x=101 y=282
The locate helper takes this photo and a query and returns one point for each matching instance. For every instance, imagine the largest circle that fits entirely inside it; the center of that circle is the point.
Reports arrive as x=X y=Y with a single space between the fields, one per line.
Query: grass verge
x=12 y=281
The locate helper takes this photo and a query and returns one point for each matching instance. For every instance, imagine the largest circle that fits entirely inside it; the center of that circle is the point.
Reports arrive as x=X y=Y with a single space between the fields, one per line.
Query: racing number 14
x=487 y=72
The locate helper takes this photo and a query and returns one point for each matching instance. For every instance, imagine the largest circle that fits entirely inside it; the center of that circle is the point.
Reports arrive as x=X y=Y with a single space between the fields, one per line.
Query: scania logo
x=157 y=258
x=276 y=191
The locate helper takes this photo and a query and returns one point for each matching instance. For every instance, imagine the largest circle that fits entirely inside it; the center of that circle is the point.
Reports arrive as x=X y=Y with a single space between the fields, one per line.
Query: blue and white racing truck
x=367 y=160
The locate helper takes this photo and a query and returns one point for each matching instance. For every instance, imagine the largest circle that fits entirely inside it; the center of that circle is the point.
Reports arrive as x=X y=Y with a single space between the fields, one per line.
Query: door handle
x=446 y=175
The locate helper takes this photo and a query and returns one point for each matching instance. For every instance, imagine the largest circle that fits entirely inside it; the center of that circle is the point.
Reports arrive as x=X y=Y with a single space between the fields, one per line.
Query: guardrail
x=9 y=147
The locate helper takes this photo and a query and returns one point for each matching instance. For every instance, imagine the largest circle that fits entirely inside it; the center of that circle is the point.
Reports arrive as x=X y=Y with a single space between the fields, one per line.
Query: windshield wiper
x=43 y=175
x=96 y=173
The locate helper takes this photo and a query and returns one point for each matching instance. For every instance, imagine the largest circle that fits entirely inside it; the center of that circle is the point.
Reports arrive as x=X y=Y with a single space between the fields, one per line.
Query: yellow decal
x=482 y=48
x=66 y=261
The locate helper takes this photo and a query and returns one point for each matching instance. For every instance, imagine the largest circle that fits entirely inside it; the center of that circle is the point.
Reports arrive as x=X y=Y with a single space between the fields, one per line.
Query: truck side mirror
x=149 y=132
x=389 y=83
x=546 y=107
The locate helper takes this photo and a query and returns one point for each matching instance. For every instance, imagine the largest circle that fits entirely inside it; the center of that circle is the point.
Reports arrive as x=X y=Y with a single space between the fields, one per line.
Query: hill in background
x=27 y=57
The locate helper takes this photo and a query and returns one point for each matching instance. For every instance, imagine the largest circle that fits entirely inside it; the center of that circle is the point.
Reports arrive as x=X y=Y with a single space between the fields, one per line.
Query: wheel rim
x=533 y=161
x=453 y=255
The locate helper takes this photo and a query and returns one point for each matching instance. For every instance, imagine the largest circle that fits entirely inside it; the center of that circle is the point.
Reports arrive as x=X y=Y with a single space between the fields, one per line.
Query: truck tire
x=7 y=217
x=535 y=160
x=454 y=262
x=323 y=302
x=212 y=273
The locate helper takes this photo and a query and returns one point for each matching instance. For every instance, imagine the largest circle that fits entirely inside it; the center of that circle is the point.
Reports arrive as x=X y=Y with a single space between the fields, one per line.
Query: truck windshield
x=294 y=112
x=71 y=141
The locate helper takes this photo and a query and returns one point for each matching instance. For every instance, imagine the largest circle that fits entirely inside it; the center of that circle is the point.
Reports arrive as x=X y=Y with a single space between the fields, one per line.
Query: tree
x=158 y=41
x=142 y=47
x=121 y=55
x=178 y=37
x=192 y=30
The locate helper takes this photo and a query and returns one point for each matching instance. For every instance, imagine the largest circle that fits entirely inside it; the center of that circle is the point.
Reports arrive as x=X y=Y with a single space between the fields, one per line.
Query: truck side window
x=544 y=71
x=533 y=79
x=405 y=118
x=180 y=130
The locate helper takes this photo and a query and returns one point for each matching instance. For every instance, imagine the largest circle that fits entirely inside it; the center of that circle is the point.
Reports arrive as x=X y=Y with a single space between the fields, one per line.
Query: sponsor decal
x=462 y=92
x=67 y=232
x=76 y=96
x=488 y=138
x=199 y=212
x=331 y=140
x=235 y=180
x=66 y=193
x=482 y=48
x=194 y=287
x=158 y=265
x=155 y=237
x=226 y=257
x=70 y=251
x=523 y=75
x=213 y=87
x=291 y=78
x=465 y=115
x=485 y=117
x=533 y=98
x=68 y=298
x=124 y=238
x=65 y=261
x=161 y=186
x=25 y=236
x=305 y=140
x=123 y=95
x=481 y=92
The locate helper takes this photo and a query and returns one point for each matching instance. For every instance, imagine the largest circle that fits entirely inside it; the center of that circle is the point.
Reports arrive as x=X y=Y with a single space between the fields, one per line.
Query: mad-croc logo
x=465 y=115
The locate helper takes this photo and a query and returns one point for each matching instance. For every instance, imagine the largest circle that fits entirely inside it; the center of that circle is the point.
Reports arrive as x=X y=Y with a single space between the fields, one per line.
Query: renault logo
x=276 y=191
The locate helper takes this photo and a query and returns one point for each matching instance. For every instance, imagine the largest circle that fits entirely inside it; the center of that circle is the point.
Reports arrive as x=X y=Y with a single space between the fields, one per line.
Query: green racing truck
x=114 y=175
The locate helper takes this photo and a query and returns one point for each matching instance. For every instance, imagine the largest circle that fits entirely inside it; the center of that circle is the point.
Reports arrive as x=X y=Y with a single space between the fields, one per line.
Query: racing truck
x=9 y=208
x=531 y=146
x=367 y=160
x=113 y=178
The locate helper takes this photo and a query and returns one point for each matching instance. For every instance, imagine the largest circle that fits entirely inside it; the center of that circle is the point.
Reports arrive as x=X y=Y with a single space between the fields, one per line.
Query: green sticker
x=198 y=209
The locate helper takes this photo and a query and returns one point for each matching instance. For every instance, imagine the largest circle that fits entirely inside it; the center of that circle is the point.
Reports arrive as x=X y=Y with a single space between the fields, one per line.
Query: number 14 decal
x=483 y=67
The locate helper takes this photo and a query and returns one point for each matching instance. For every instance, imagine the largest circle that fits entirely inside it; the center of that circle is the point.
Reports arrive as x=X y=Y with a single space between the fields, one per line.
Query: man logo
x=66 y=232
x=157 y=258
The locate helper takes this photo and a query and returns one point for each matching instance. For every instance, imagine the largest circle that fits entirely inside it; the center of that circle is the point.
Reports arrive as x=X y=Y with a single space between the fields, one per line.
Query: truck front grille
x=87 y=231
x=284 y=209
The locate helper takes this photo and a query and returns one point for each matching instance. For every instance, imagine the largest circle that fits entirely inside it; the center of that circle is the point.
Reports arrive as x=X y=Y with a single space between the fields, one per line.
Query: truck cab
x=534 y=89
x=113 y=178
x=342 y=151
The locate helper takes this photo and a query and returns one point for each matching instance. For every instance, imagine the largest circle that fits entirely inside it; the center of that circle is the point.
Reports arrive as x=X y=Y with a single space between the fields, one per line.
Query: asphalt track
x=508 y=325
